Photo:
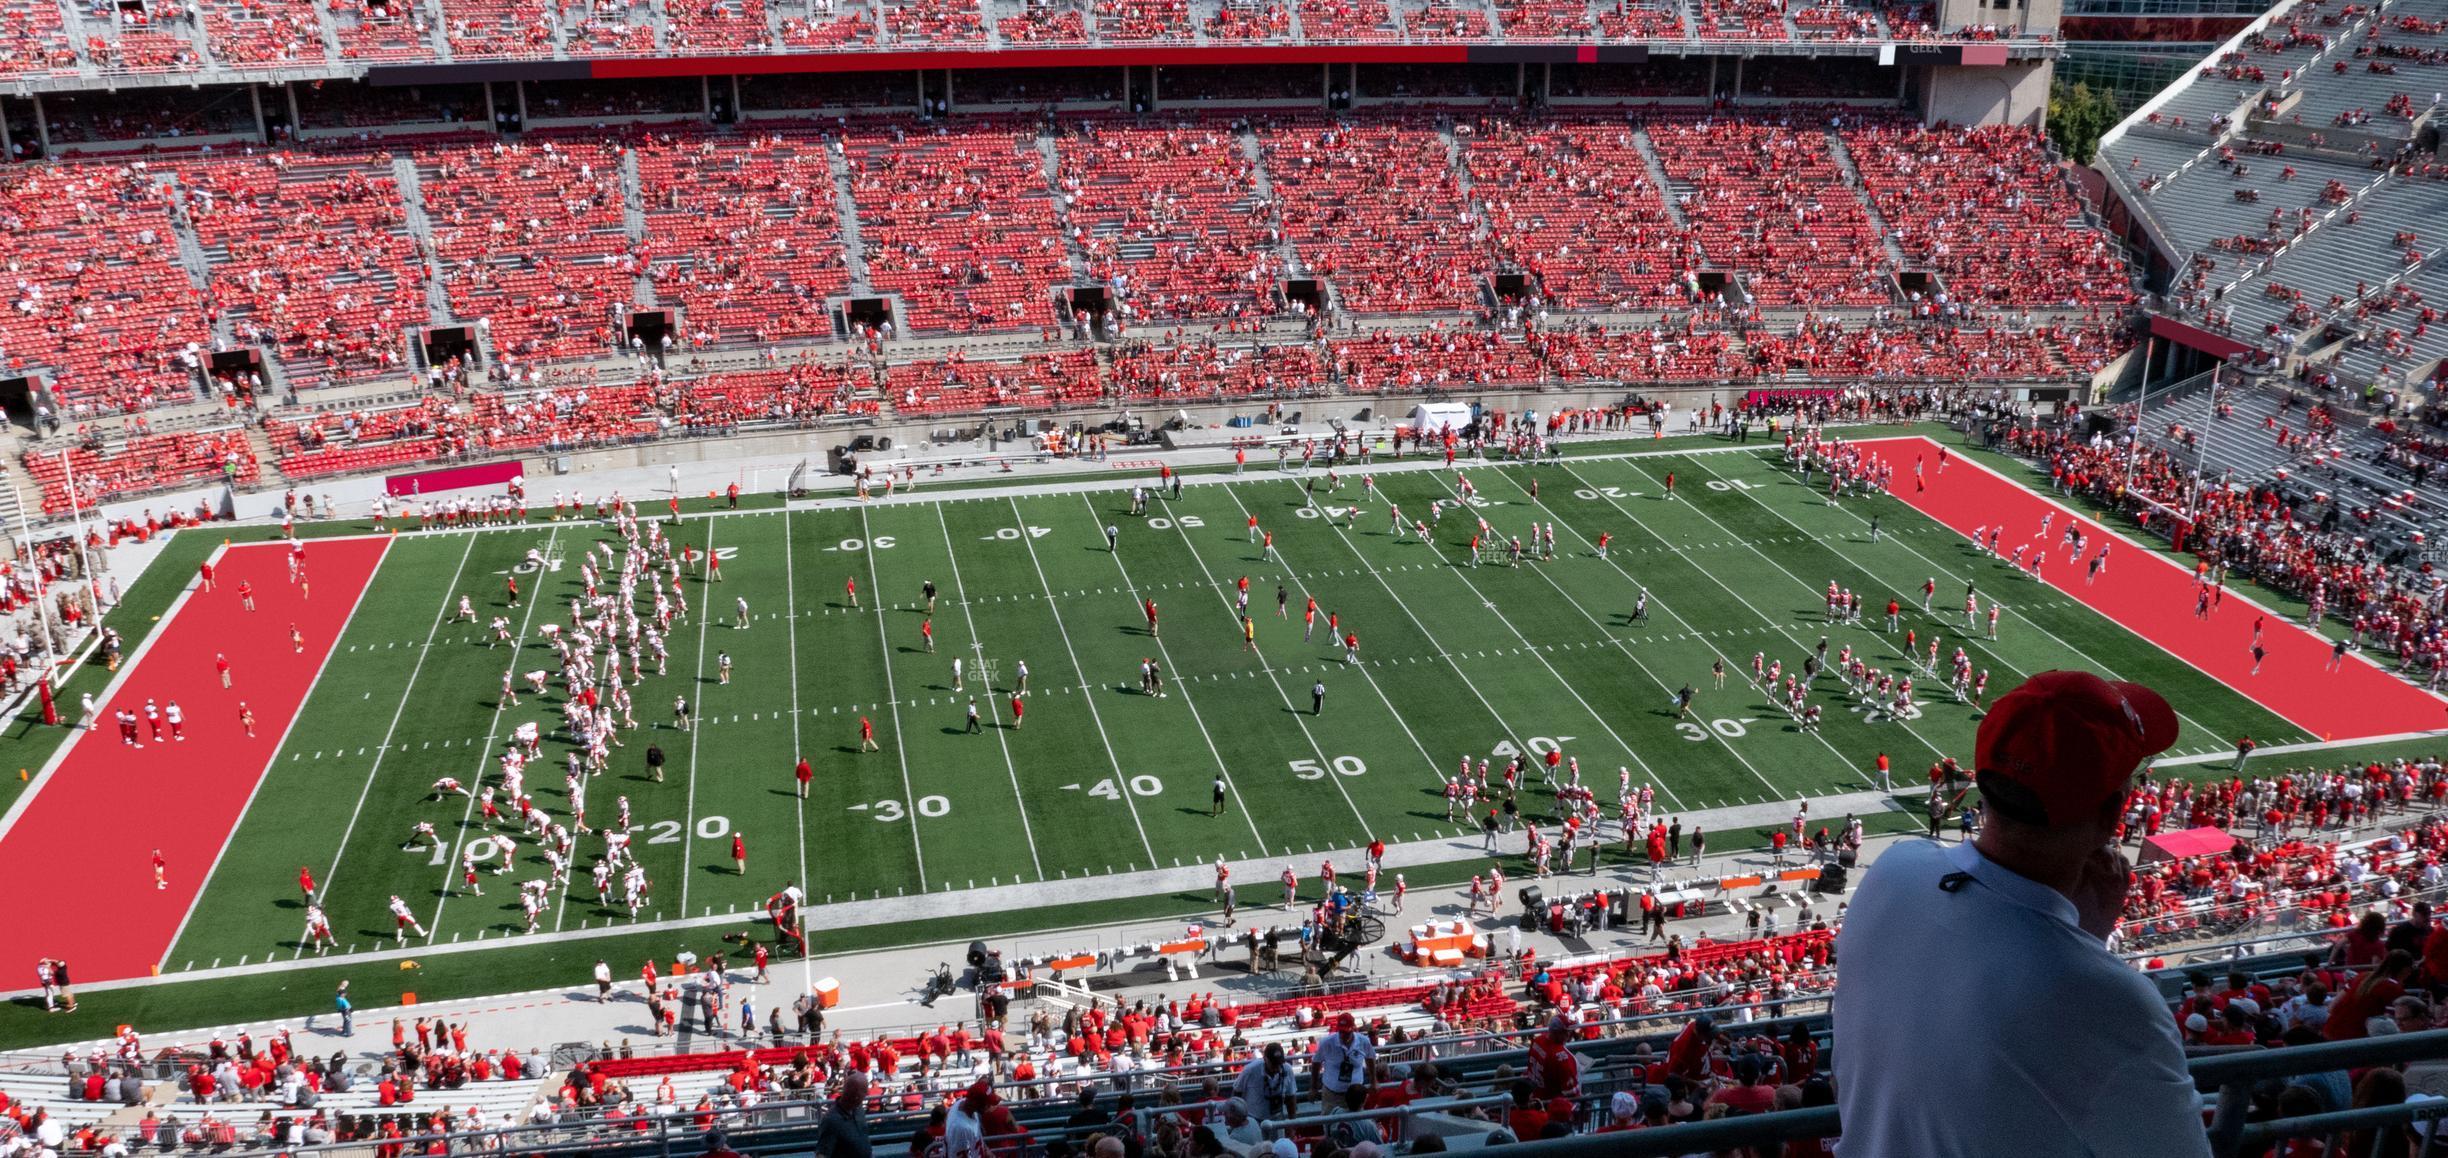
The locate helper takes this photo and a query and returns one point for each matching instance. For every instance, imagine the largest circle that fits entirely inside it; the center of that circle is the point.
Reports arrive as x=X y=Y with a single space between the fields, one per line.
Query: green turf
x=1459 y=660
x=1101 y=779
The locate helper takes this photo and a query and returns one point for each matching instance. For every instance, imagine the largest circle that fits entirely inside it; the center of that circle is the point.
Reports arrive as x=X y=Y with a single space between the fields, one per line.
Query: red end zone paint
x=79 y=857
x=2152 y=595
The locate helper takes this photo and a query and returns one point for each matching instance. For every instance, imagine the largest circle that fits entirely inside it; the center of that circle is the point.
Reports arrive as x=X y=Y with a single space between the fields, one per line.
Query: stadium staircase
x=412 y=202
x=13 y=506
x=633 y=218
x=1668 y=192
x=1861 y=192
x=845 y=206
x=1264 y=186
x=1051 y=163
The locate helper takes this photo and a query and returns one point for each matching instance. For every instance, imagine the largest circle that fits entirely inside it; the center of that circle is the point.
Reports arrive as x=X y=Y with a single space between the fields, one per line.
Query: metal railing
x=214 y=71
x=787 y=1126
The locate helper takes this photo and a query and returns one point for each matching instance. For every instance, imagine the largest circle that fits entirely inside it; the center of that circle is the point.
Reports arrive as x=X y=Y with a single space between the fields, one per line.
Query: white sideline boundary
x=2284 y=620
x=407 y=692
x=127 y=668
x=265 y=773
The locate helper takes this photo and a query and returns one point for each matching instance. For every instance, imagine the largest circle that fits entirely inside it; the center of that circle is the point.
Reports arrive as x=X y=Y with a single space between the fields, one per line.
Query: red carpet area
x=2153 y=596
x=80 y=853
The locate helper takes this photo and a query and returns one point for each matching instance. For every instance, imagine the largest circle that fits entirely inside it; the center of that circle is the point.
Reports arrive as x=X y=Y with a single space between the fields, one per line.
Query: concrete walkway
x=879 y=988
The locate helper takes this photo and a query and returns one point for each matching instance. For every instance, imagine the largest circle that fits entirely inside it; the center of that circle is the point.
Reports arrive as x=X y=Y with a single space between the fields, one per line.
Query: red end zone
x=2153 y=596
x=78 y=855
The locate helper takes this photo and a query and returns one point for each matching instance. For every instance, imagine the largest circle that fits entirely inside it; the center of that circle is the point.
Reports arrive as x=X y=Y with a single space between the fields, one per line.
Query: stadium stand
x=92 y=472
x=332 y=285
x=2285 y=195
x=101 y=305
x=1767 y=204
x=958 y=220
x=1388 y=180
x=746 y=239
x=1170 y=219
x=331 y=260
x=1572 y=203
x=534 y=238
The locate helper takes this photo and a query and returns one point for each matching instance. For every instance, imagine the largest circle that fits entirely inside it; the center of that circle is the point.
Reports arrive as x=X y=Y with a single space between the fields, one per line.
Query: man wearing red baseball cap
x=1341 y=1063
x=1980 y=1009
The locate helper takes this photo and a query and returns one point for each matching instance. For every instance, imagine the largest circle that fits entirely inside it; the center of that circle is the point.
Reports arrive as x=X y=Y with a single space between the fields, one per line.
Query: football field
x=1096 y=779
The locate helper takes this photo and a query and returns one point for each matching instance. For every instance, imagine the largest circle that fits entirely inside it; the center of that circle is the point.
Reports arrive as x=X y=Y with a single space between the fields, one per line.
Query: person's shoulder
x=1908 y=861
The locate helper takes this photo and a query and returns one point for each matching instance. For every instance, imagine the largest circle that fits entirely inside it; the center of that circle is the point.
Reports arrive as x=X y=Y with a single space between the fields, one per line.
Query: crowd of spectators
x=562 y=417
x=1388 y=180
x=311 y=261
x=744 y=236
x=97 y=295
x=532 y=237
x=958 y=219
x=1764 y=197
x=1986 y=208
x=1572 y=204
x=92 y=472
x=257 y=34
x=2292 y=539
x=1169 y=217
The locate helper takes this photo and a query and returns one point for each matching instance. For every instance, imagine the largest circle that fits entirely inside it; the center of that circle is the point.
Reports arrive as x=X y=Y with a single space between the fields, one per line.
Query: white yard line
x=790 y=583
x=484 y=755
x=1532 y=650
x=127 y=669
x=406 y=693
x=1221 y=768
x=1775 y=790
x=1528 y=648
x=960 y=595
x=231 y=837
x=699 y=717
x=1695 y=633
x=2295 y=749
x=1779 y=625
x=892 y=699
x=1371 y=680
x=1951 y=576
x=1121 y=774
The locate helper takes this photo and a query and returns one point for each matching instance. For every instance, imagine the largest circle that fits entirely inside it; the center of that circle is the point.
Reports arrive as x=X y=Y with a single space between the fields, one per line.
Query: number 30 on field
x=1730 y=729
x=891 y=810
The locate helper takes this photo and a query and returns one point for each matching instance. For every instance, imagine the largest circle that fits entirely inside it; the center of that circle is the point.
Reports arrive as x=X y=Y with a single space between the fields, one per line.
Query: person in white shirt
x=964 y=1128
x=2045 y=1044
x=1341 y=1063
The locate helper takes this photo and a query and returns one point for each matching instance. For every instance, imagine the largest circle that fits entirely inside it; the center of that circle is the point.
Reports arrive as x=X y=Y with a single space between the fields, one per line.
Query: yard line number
x=889 y=811
x=1111 y=789
x=1342 y=765
x=486 y=848
x=1730 y=729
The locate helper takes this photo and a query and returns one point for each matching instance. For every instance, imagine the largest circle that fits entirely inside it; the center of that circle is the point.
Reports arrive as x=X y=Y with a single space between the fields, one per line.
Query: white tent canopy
x=1432 y=418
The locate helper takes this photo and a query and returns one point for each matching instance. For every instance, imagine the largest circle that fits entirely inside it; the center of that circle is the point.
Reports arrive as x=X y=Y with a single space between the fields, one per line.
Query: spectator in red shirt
x=1750 y=1093
x=1528 y=1117
x=2367 y=998
x=2362 y=945
x=1688 y=1056
x=1551 y=1067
